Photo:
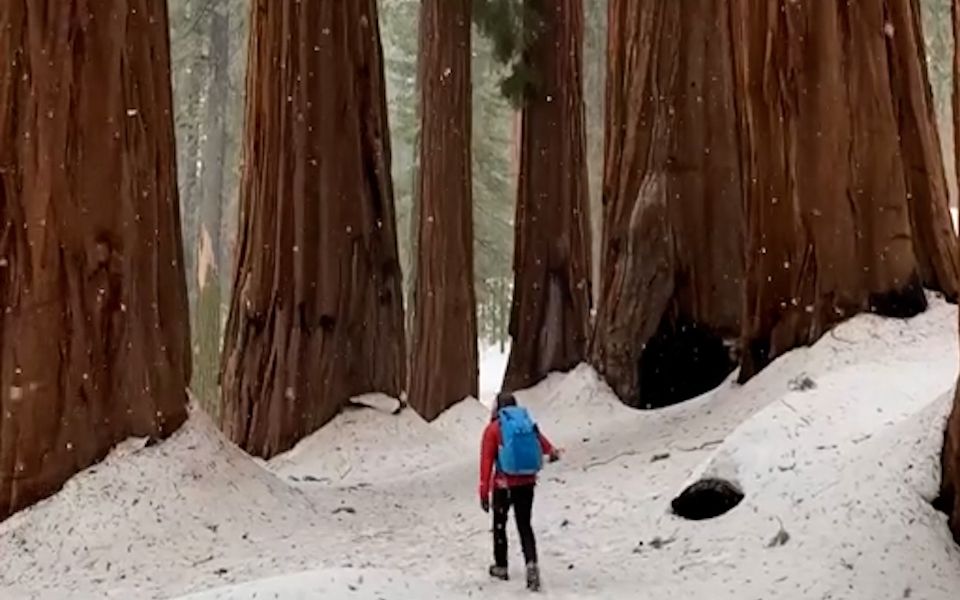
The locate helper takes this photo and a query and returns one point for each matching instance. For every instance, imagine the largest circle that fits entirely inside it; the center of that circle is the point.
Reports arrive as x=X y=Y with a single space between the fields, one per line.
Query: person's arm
x=488 y=453
x=548 y=448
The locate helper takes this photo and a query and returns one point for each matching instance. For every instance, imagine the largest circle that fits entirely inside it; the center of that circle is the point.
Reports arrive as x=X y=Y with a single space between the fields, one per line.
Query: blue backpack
x=520 y=452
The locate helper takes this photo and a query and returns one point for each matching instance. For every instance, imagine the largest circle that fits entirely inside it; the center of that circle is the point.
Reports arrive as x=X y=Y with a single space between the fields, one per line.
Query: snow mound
x=355 y=584
x=793 y=441
x=463 y=422
x=363 y=445
x=838 y=469
x=137 y=521
x=574 y=402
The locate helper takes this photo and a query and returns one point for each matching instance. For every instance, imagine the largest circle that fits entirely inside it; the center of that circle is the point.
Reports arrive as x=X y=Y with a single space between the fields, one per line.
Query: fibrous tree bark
x=317 y=315
x=552 y=293
x=443 y=367
x=672 y=265
x=950 y=486
x=94 y=332
x=844 y=192
x=208 y=247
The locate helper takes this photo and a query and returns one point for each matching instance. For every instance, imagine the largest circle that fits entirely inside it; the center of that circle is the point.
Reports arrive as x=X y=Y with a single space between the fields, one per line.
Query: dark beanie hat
x=506 y=399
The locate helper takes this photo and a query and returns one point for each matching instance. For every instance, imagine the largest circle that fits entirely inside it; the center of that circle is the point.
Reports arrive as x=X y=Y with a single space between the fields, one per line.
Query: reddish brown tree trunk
x=317 y=314
x=950 y=487
x=670 y=297
x=551 y=296
x=928 y=197
x=94 y=330
x=443 y=367
x=833 y=99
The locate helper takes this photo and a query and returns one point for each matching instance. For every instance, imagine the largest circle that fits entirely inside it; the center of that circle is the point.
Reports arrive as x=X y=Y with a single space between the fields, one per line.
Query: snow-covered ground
x=834 y=446
x=493 y=364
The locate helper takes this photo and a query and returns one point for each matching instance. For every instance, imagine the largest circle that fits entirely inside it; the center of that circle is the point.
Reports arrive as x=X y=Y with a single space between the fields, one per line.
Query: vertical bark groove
x=444 y=363
x=94 y=330
x=317 y=311
x=552 y=294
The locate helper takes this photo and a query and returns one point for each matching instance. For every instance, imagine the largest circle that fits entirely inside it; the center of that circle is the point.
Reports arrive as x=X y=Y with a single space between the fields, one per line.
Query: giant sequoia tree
x=672 y=248
x=820 y=126
x=551 y=295
x=443 y=368
x=317 y=314
x=950 y=487
x=94 y=332
x=846 y=206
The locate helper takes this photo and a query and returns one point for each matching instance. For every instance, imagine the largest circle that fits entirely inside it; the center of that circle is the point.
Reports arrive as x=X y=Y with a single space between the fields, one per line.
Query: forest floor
x=835 y=447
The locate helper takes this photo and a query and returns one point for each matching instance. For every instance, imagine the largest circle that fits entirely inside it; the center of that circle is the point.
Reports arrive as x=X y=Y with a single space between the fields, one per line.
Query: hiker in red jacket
x=509 y=490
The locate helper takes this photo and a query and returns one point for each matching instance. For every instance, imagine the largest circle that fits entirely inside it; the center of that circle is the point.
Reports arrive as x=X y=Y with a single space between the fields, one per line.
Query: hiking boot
x=500 y=573
x=533 y=577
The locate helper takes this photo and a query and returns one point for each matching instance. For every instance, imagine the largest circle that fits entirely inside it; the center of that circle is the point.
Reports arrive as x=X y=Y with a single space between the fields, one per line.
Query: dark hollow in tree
x=672 y=252
x=94 y=338
x=845 y=197
x=317 y=314
x=550 y=313
x=443 y=366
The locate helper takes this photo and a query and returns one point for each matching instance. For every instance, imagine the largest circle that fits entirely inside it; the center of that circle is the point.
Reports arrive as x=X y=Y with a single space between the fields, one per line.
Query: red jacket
x=489 y=477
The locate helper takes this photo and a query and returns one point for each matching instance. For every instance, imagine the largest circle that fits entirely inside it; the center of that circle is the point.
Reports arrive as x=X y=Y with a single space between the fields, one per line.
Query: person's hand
x=555 y=455
x=485 y=504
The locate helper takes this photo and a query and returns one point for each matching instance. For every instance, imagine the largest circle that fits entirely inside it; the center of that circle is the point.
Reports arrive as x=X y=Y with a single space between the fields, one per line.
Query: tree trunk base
x=904 y=302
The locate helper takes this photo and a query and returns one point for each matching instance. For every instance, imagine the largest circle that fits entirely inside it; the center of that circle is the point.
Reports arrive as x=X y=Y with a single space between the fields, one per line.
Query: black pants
x=521 y=499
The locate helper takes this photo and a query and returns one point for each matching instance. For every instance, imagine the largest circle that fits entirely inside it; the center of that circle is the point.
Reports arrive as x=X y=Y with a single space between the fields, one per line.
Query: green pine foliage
x=511 y=27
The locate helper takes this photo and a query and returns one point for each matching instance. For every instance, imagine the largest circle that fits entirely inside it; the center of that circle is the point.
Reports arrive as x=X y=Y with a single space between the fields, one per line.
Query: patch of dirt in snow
x=835 y=447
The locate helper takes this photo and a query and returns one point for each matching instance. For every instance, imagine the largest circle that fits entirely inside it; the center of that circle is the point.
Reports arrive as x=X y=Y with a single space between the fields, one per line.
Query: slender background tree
x=209 y=246
x=209 y=53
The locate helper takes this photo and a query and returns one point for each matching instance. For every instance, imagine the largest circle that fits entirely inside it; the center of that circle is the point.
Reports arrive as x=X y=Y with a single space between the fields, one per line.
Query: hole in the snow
x=706 y=499
x=943 y=503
